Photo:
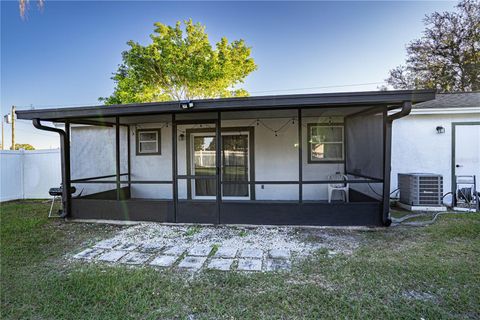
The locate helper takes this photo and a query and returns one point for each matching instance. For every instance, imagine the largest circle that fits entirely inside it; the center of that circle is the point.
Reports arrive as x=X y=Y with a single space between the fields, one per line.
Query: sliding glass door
x=235 y=164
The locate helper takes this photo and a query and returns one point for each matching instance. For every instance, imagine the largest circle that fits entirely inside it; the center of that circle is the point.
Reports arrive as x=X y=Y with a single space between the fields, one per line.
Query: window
x=325 y=143
x=148 y=142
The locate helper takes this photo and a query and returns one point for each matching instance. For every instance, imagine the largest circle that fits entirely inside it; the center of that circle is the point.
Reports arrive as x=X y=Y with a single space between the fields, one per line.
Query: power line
x=323 y=87
x=28 y=107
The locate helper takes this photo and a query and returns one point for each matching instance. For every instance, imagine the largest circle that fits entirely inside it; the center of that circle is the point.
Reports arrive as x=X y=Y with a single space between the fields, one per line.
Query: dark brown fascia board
x=234 y=104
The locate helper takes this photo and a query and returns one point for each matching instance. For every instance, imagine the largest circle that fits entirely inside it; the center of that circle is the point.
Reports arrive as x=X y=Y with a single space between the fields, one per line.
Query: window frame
x=309 y=137
x=158 y=132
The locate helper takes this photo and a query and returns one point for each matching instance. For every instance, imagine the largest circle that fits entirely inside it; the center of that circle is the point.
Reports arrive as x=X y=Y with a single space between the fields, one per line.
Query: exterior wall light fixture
x=186 y=104
x=440 y=129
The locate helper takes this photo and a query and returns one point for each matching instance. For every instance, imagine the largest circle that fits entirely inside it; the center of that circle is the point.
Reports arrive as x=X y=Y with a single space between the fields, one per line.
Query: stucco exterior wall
x=276 y=158
x=92 y=153
x=417 y=147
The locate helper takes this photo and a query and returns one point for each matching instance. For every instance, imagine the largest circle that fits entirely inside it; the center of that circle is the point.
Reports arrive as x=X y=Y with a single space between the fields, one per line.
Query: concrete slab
x=126 y=246
x=249 y=264
x=220 y=264
x=88 y=254
x=278 y=265
x=150 y=247
x=251 y=253
x=107 y=244
x=226 y=252
x=112 y=256
x=200 y=250
x=279 y=254
x=135 y=257
x=192 y=263
x=164 y=261
x=174 y=251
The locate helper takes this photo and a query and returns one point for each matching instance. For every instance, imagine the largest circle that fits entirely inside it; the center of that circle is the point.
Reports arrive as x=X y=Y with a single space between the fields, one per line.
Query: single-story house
x=252 y=160
x=440 y=136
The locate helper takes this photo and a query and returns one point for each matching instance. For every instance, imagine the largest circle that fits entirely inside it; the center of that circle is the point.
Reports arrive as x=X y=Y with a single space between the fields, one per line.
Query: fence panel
x=29 y=174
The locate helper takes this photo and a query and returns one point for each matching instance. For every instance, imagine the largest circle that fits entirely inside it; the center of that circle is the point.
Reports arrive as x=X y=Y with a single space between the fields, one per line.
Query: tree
x=24 y=146
x=23 y=6
x=447 y=57
x=181 y=67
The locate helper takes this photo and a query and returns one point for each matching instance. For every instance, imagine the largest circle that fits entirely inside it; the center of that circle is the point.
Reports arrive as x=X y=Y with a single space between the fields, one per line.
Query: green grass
x=397 y=273
x=192 y=230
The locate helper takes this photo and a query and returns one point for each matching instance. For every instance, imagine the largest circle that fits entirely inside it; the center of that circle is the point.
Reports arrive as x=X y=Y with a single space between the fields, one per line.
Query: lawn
x=401 y=272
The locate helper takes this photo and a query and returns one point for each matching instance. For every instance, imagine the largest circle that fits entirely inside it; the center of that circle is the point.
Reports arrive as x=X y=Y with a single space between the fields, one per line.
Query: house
x=253 y=160
x=440 y=136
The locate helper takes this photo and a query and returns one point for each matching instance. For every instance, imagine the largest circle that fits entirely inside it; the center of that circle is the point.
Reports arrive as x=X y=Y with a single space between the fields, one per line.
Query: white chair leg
x=51 y=207
x=347 y=195
x=330 y=195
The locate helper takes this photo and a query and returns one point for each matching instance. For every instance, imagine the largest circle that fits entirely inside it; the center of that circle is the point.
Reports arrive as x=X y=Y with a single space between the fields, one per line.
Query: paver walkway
x=192 y=258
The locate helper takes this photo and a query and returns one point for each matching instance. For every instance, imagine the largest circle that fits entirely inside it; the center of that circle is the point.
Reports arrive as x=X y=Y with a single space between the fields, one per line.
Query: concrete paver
x=220 y=264
x=247 y=264
x=192 y=263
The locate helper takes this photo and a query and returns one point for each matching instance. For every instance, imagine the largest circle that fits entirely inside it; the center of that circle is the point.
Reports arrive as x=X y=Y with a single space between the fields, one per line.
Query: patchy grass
x=243 y=233
x=192 y=231
x=401 y=272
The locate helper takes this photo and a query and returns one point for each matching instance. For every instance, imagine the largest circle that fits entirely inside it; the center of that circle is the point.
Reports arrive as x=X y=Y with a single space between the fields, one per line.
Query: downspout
x=405 y=111
x=65 y=150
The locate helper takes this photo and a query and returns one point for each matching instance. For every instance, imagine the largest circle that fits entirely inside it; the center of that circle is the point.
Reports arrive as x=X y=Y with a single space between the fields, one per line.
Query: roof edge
x=236 y=103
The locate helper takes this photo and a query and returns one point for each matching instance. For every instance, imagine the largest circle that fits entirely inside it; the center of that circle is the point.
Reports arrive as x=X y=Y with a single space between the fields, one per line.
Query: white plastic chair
x=338 y=186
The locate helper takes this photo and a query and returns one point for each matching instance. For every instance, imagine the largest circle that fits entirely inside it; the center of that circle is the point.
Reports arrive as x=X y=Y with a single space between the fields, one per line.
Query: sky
x=65 y=54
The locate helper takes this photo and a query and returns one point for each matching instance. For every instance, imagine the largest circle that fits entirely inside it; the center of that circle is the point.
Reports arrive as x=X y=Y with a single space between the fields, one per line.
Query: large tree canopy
x=447 y=57
x=181 y=64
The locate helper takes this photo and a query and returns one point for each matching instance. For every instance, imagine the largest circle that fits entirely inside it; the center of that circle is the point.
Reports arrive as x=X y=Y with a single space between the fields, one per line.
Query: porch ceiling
x=324 y=100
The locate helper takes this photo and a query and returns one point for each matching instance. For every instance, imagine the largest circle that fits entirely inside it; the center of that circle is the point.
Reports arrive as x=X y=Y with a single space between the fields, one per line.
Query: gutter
x=405 y=111
x=65 y=150
x=387 y=165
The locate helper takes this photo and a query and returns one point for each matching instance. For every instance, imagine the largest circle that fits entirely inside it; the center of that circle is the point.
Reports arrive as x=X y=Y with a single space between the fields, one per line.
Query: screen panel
x=364 y=135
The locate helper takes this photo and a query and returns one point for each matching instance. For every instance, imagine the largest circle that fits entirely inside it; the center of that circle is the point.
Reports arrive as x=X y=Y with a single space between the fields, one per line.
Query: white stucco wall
x=276 y=158
x=417 y=147
x=92 y=153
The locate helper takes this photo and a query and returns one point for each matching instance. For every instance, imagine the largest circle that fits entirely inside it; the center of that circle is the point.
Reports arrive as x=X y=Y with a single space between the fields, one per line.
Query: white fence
x=29 y=174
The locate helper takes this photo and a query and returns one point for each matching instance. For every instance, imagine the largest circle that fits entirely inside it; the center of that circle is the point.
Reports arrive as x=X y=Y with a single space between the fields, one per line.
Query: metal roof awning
x=390 y=98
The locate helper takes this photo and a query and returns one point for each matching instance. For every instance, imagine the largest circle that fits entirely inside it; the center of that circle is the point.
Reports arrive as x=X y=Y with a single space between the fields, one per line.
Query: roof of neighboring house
x=452 y=100
x=361 y=99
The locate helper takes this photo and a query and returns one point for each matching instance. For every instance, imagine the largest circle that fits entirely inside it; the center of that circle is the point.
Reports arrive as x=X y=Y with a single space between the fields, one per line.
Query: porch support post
x=174 y=168
x=128 y=160
x=300 y=160
x=117 y=154
x=218 y=155
x=66 y=194
x=387 y=155
x=65 y=159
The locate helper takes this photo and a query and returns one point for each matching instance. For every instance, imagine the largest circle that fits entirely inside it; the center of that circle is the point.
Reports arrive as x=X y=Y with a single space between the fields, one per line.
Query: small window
x=325 y=143
x=148 y=142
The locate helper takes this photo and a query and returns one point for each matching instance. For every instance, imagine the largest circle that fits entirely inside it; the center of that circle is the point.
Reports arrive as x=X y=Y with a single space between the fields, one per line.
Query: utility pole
x=13 y=128
x=3 y=137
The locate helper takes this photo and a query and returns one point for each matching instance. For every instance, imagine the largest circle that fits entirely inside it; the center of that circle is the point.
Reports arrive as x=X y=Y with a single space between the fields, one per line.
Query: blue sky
x=65 y=55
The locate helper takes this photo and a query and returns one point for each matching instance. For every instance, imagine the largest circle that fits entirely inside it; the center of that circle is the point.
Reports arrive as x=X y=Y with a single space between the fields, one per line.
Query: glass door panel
x=204 y=164
x=235 y=165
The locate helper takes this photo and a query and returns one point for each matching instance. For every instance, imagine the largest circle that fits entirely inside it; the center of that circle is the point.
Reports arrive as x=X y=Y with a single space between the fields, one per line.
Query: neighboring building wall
x=29 y=174
x=417 y=147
